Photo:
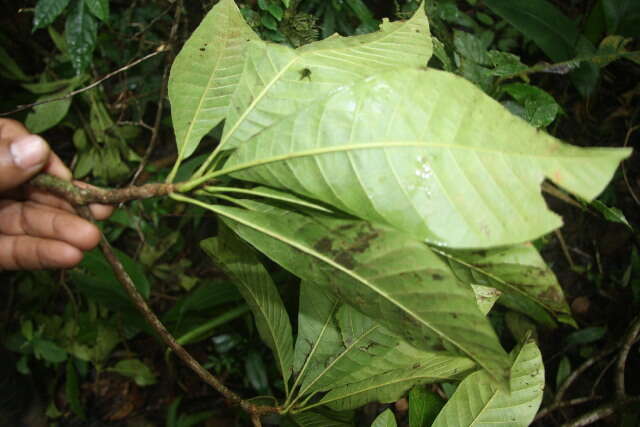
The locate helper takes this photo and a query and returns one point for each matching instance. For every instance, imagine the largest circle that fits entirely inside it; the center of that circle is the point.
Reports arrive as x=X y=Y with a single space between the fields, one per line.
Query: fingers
x=35 y=220
x=99 y=212
x=34 y=253
x=22 y=155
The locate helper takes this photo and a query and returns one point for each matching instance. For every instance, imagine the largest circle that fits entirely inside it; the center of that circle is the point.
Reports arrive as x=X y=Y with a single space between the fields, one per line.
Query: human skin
x=38 y=230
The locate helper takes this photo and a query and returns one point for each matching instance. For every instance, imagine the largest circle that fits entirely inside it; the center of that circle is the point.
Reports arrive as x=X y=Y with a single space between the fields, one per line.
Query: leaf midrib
x=204 y=93
x=339 y=267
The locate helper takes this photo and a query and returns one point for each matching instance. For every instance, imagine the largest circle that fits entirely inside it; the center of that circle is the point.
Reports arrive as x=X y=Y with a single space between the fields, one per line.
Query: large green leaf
x=205 y=74
x=385 y=419
x=241 y=264
x=47 y=11
x=383 y=273
x=318 y=335
x=81 y=34
x=477 y=402
x=49 y=114
x=99 y=8
x=360 y=340
x=515 y=269
x=541 y=21
x=436 y=158
x=278 y=81
x=322 y=418
x=392 y=385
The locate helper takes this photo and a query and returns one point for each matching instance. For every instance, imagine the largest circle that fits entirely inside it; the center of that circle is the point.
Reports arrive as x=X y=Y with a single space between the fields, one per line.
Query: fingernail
x=29 y=151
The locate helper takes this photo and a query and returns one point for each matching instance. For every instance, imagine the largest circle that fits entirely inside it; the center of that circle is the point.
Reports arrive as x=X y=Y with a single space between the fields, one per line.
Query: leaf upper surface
x=428 y=153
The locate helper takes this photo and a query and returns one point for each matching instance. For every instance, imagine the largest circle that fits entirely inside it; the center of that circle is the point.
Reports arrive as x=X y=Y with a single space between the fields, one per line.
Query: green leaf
x=515 y=269
x=99 y=8
x=254 y=283
x=205 y=74
x=276 y=11
x=478 y=402
x=318 y=335
x=385 y=419
x=323 y=418
x=471 y=47
x=564 y=370
x=360 y=341
x=46 y=116
x=256 y=372
x=269 y=22
x=424 y=406
x=542 y=22
x=72 y=390
x=136 y=370
x=392 y=385
x=384 y=274
x=273 y=84
x=47 y=11
x=540 y=108
x=9 y=68
x=611 y=214
x=506 y=64
x=51 y=86
x=48 y=350
x=486 y=297
x=622 y=17
x=451 y=172
x=81 y=32
x=269 y=193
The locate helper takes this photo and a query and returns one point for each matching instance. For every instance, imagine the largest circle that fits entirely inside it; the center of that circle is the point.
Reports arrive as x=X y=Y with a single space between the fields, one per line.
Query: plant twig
x=634 y=330
x=165 y=335
x=163 y=91
x=564 y=404
x=580 y=370
x=601 y=412
x=624 y=169
x=160 y=49
x=81 y=196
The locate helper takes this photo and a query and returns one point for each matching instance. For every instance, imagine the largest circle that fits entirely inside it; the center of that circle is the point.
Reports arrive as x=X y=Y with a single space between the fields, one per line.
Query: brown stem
x=602 y=412
x=564 y=404
x=164 y=334
x=80 y=196
x=629 y=340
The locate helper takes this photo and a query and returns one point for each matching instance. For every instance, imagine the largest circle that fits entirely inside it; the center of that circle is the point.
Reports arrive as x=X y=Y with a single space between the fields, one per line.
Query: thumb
x=21 y=158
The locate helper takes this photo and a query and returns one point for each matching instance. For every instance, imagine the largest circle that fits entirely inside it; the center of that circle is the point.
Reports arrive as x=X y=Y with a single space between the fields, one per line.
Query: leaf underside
x=382 y=273
x=436 y=158
x=205 y=73
x=478 y=402
x=255 y=285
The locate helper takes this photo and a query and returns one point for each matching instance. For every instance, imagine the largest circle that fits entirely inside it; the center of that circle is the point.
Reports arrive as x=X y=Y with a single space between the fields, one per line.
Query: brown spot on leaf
x=324 y=245
x=345 y=259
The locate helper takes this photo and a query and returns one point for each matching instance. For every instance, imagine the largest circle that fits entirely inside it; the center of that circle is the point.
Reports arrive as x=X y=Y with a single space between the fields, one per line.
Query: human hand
x=38 y=230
